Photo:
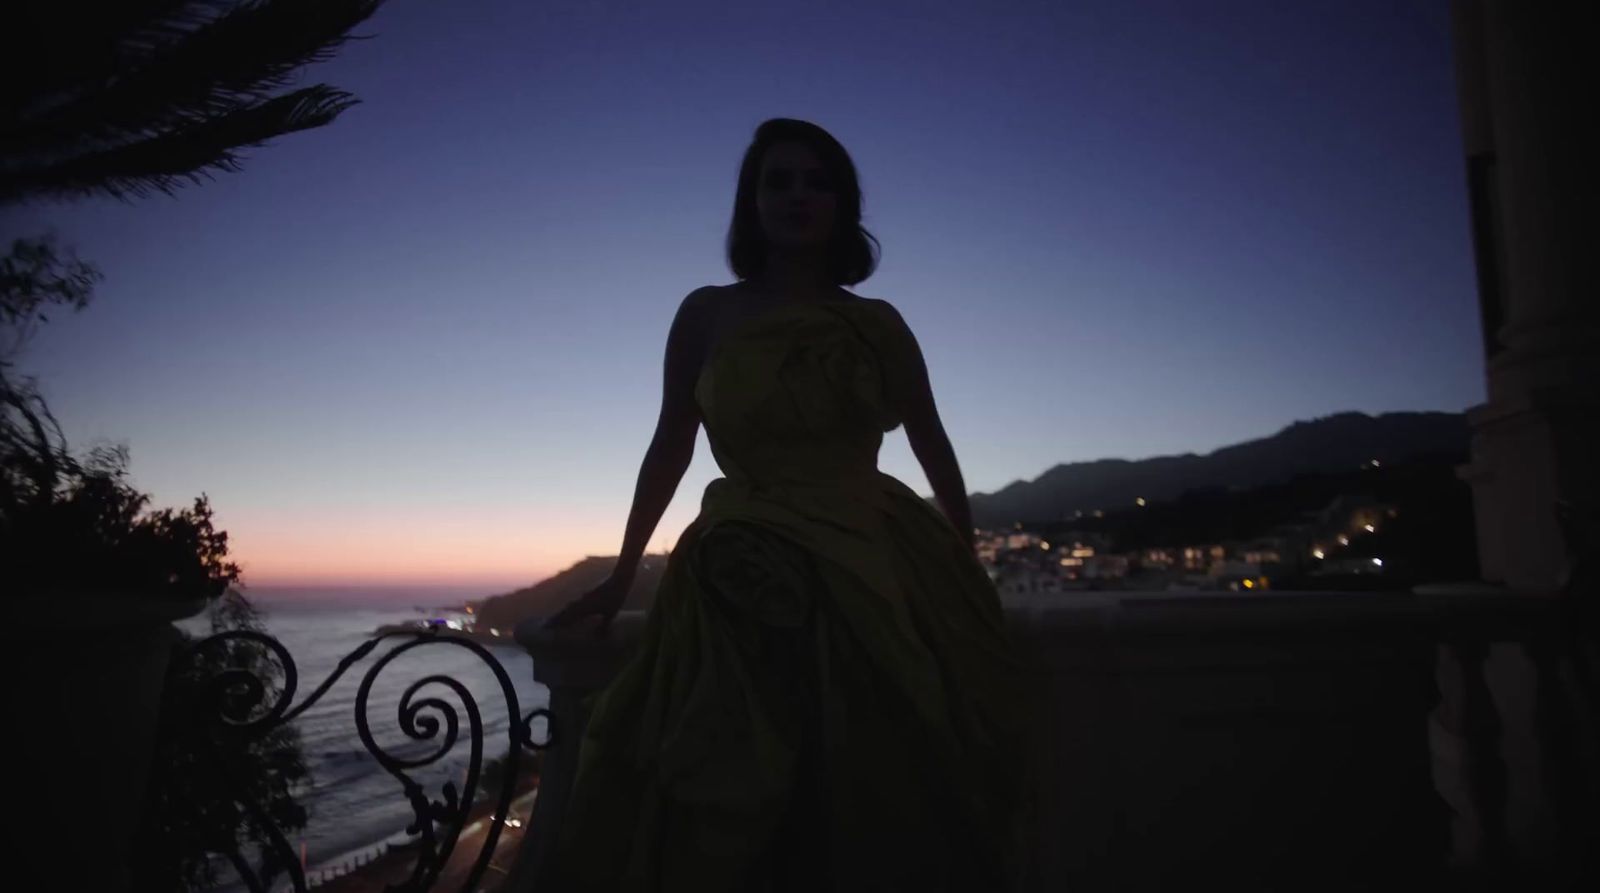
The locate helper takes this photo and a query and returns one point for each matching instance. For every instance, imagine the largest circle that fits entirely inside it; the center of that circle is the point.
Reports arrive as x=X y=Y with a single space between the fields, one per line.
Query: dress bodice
x=803 y=392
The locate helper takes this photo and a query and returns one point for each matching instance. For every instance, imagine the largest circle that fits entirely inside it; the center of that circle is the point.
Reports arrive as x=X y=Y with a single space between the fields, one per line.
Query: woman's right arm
x=677 y=427
x=669 y=454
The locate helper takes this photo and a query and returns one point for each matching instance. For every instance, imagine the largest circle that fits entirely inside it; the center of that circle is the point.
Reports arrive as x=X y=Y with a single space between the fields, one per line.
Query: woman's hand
x=603 y=601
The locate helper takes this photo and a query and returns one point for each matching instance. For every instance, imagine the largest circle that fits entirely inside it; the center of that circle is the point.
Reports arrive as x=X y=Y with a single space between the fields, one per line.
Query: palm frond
x=193 y=63
x=185 y=155
x=151 y=94
x=55 y=50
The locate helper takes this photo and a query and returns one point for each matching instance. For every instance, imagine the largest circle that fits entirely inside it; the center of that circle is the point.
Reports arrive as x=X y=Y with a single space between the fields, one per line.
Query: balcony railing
x=1304 y=740
x=1291 y=740
x=243 y=697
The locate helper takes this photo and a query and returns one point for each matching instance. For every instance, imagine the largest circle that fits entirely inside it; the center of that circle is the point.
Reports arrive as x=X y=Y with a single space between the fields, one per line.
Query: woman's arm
x=672 y=447
x=668 y=456
x=927 y=437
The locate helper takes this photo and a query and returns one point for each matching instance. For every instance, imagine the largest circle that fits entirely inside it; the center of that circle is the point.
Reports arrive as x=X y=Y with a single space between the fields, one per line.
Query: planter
x=88 y=671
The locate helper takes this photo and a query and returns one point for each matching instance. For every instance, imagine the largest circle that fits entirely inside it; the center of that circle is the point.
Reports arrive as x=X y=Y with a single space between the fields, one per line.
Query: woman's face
x=794 y=197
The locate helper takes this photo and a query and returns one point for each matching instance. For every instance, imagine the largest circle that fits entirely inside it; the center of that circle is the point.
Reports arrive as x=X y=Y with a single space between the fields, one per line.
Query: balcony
x=1286 y=740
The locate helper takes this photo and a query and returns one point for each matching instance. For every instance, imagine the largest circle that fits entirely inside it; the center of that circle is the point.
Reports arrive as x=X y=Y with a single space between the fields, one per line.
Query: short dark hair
x=853 y=254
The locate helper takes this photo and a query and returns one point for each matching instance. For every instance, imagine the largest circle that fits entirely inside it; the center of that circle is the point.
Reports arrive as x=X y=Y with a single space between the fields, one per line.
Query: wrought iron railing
x=238 y=704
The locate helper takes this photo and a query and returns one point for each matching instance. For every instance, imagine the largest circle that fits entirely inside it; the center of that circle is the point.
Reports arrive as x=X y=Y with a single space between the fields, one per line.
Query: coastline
x=393 y=865
x=444 y=632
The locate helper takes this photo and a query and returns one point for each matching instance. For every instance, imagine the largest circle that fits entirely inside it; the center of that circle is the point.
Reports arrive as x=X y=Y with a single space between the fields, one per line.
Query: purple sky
x=424 y=344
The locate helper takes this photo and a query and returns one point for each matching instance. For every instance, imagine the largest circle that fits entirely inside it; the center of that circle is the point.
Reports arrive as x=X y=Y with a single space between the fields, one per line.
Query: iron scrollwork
x=241 y=702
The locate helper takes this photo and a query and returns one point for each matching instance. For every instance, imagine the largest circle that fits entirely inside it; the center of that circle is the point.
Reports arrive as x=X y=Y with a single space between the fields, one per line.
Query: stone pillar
x=1527 y=108
x=573 y=664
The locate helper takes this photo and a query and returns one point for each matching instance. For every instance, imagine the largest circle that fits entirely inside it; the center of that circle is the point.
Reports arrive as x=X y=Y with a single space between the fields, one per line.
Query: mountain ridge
x=1327 y=443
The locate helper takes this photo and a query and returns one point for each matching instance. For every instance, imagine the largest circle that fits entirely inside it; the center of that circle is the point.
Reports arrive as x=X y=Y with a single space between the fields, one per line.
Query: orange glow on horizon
x=384 y=549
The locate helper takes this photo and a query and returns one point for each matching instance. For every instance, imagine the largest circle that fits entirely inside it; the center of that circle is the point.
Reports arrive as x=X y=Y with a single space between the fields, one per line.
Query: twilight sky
x=423 y=345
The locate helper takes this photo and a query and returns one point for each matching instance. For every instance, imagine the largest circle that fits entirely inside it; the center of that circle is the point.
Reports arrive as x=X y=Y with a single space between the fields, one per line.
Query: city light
x=1371 y=529
x=1139 y=501
x=1378 y=562
x=1344 y=540
x=1249 y=584
x=1374 y=463
x=1044 y=545
x=1317 y=553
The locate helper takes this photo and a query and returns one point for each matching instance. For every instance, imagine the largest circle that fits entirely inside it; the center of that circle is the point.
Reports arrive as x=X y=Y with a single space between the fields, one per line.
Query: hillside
x=1335 y=443
x=549 y=595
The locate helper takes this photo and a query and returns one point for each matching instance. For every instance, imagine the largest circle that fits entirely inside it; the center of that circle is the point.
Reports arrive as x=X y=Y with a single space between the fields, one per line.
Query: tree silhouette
x=194 y=816
x=142 y=96
x=128 y=99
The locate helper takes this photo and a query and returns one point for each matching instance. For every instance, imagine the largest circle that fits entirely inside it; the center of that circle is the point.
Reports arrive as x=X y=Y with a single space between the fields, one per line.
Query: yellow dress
x=825 y=696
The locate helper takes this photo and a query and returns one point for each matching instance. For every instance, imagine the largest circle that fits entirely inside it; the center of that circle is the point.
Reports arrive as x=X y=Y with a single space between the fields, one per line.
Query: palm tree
x=142 y=96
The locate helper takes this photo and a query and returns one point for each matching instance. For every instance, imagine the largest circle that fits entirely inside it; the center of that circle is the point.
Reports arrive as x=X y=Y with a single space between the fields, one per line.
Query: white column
x=1528 y=119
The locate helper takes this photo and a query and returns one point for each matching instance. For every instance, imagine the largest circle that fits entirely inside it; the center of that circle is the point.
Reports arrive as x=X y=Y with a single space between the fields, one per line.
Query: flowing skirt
x=783 y=727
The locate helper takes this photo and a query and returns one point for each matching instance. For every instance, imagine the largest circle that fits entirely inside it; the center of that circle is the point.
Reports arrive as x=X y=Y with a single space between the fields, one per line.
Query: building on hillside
x=1029 y=580
x=1106 y=567
x=1157 y=559
x=1201 y=557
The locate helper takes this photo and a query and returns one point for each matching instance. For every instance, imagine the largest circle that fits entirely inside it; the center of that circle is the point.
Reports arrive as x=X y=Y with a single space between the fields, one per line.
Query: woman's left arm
x=926 y=433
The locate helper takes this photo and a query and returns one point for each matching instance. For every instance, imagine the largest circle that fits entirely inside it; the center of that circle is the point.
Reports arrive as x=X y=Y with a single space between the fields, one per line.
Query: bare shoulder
x=721 y=307
x=883 y=305
x=697 y=311
x=889 y=311
x=865 y=300
x=716 y=299
x=701 y=299
x=710 y=311
x=708 y=308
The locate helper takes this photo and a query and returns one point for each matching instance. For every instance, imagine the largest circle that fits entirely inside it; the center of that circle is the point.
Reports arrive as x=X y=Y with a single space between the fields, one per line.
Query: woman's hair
x=852 y=252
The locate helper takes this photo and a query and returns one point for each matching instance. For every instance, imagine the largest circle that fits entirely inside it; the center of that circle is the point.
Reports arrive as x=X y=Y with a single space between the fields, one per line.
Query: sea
x=355 y=806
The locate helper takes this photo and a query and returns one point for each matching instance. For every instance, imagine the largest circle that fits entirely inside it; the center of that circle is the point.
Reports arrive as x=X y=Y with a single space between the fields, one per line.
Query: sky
x=422 y=346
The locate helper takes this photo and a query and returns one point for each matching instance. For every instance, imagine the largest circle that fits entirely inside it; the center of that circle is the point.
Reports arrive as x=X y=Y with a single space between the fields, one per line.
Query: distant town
x=1336 y=542
x=1381 y=526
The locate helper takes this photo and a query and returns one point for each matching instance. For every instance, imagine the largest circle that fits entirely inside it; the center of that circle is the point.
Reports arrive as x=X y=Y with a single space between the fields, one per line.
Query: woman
x=825 y=697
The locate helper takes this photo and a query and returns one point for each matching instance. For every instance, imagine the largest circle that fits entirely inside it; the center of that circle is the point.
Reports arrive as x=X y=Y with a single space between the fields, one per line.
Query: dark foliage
x=193 y=811
x=71 y=523
x=35 y=278
x=128 y=99
x=142 y=96
x=92 y=534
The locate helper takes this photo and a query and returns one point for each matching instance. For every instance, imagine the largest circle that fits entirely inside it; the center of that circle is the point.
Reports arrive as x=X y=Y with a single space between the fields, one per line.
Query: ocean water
x=355 y=805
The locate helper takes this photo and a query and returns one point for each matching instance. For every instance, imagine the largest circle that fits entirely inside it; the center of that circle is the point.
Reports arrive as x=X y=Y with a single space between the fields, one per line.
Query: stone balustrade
x=1305 y=738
